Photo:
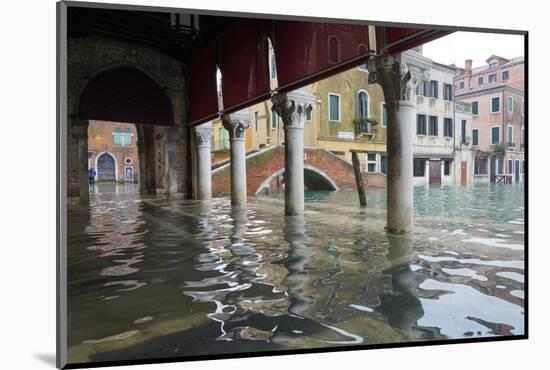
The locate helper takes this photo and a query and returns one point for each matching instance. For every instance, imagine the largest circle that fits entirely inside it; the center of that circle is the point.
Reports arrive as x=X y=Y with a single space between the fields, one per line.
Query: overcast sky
x=459 y=46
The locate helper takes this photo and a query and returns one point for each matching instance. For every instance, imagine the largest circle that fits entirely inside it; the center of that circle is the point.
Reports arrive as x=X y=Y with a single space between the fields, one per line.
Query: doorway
x=464 y=173
x=106 y=168
x=435 y=173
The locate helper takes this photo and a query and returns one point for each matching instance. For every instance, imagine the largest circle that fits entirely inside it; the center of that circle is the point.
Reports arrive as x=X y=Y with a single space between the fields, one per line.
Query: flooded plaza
x=150 y=277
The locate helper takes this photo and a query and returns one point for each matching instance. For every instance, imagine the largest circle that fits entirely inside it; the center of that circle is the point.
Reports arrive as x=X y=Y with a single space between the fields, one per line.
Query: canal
x=150 y=277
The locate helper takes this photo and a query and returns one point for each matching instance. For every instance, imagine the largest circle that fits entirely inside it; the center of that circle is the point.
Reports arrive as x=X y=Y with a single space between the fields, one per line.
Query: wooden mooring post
x=358 y=178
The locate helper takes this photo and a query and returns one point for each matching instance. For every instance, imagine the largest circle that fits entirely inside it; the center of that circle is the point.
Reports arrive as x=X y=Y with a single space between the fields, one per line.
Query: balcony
x=364 y=126
x=510 y=145
x=466 y=140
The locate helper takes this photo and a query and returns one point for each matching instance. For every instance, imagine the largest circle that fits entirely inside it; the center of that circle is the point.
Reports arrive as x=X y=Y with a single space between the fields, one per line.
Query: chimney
x=468 y=66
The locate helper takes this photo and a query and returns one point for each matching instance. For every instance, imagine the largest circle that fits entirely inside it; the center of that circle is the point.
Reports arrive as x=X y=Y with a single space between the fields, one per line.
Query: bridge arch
x=314 y=179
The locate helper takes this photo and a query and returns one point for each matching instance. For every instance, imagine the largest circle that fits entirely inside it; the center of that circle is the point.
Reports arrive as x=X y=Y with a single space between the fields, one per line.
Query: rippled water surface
x=150 y=277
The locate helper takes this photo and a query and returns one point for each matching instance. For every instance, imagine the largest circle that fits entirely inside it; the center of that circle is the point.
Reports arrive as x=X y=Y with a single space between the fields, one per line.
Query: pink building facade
x=496 y=94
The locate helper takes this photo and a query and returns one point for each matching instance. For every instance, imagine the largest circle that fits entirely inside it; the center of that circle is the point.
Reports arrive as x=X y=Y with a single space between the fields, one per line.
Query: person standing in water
x=91 y=176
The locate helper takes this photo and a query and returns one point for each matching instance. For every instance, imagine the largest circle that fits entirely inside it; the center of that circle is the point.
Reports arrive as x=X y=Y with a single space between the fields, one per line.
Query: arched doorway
x=106 y=168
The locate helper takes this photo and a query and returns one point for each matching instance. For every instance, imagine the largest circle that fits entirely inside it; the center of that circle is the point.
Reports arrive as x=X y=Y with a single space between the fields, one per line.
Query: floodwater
x=150 y=277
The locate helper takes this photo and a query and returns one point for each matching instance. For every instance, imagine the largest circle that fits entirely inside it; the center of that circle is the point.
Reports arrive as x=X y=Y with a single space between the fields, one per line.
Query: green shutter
x=475 y=108
x=495 y=103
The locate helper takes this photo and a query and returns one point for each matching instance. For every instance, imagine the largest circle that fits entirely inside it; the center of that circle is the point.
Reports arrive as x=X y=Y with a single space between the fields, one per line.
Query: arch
x=125 y=93
x=114 y=161
x=314 y=179
x=362 y=104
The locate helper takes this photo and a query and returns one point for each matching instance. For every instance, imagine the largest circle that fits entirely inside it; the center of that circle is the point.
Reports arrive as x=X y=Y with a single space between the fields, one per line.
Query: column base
x=397 y=231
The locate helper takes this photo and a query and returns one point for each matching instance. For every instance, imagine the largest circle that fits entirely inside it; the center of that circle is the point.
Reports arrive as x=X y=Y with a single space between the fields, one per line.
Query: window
x=493 y=65
x=121 y=138
x=475 y=108
x=510 y=135
x=447 y=92
x=493 y=78
x=461 y=84
x=495 y=135
x=495 y=104
x=434 y=89
x=333 y=49
x=463 y=132
x=447 y=127
x=446 y=168
x=362 y=104
x=256 y=121
x=426 y=88
x=510 y=104
x=433 y=126
x=334 y=107
x=274 y=119
x=480 y=166
x=480 y=81
x=500 y=166
x=222 y=138
x=362 y=49
x=475 y=137
x=117 y=137
x=505 y=75
x=371 y=162
x=419 y=167
x=510 y=166
x=421 y=124
x=308 y=115
x=384 y=114
x=273 y=67
x=384 y=164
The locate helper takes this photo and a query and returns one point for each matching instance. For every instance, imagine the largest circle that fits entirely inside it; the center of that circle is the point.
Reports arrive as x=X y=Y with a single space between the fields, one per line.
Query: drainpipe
x=454 y=132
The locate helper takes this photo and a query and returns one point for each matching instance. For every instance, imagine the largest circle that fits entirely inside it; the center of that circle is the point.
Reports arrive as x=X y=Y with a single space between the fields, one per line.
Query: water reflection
x=401 y=306
x=161 y=277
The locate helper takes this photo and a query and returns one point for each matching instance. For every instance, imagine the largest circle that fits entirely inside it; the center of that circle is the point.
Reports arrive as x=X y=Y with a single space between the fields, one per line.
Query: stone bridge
x=264 y=172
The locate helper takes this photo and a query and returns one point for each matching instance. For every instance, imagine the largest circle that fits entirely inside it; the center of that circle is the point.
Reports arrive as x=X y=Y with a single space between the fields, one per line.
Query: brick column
x=80 y=133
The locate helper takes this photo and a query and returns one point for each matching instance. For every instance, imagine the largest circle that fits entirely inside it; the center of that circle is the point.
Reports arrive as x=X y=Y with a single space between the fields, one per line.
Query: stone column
x=80 y=131
x=292 y=108
x=202 y=136
x=398 y=80
x=236 y=124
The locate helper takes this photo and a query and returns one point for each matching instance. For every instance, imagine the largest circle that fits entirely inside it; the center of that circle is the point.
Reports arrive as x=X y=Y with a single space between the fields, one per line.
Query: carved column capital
x=236 y=124
x=292 y=107
x=397 y=78
x=202 y=134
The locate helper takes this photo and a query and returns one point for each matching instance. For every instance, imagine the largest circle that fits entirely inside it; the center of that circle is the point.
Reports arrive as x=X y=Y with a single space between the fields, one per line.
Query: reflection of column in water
x=205 y=222
x=240 y=221
x=299 y=255
x=401 y=307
